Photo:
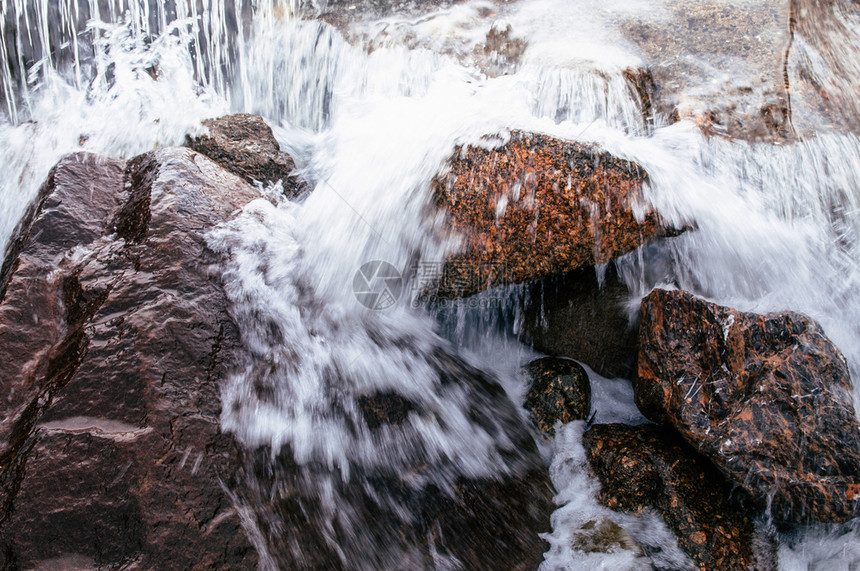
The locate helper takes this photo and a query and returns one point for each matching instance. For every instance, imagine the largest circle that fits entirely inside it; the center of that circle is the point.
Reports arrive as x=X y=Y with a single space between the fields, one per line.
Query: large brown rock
x=648 y=466
x=537 y=206
x=767 y=398
x=245 y=145
x=113 y=339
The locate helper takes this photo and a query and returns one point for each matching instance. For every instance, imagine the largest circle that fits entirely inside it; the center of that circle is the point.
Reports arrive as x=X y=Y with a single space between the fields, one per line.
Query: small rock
x=650 y=466
x=767 y=398
x=605 y=536
x=245 y=145
x=559 y=392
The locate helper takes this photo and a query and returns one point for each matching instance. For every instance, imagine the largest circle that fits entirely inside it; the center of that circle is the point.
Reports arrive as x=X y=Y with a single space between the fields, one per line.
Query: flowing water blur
x=370 y=118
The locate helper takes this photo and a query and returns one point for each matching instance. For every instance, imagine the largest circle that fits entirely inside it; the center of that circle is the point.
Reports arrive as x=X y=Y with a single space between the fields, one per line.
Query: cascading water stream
x=776 y=227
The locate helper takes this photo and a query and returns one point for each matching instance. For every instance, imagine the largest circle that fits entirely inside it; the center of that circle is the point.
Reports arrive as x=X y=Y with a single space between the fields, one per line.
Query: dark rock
x=383 y=409
x=245 y=145
x=114 y=339
x=412 y=515
x=537 y=206
x=573 y=315
x=767 y=398
x=559 y=392
x=649 y=466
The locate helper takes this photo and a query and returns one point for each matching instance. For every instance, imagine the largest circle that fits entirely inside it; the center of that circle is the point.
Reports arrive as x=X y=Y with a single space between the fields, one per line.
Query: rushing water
x=370 y=121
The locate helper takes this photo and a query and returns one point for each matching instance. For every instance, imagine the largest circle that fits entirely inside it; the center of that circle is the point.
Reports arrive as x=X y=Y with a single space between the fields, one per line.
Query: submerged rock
x=647 y=466
x=559 y=392
x=575 y=315
x=245 y=145
x=113 y=338
x=538 y=206
x=767 y=398
x=421 y=513
x=605 y=536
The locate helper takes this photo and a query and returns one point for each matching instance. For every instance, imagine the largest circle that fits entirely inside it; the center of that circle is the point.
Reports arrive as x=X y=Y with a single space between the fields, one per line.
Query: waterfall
x=371 y=111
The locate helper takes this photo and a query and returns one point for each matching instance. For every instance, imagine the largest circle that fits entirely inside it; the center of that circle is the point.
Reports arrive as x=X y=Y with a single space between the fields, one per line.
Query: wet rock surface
x=538 y=206
x=113 y=338
x=648 y=466
x=821 y=66
x=575 y=315
x=767 y=398
x=748 y=99
x=245 y=145
x=421 y=514
x=559 y=391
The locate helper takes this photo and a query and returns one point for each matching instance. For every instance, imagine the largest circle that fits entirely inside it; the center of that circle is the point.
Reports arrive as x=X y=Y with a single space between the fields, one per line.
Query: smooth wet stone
x=384 y=409
x=767 y=398
x=537 y=206
x=116 y=335
x=245 y=145
x=113 y=340
x=559 y=392
x=648 y=466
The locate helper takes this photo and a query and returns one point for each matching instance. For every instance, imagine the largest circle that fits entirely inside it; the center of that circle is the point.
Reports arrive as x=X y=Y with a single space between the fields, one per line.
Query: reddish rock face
x=767 y=398
x=113 y=338
x=245 y=145
x=651 y=466
x=538 y=206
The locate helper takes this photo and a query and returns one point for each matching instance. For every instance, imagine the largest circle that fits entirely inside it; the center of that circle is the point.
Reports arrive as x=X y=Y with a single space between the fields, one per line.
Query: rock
x=748 y=99
x=113 y=340
x=605 y=536
x=651 y=467
x=820 y=66
x=767 y=398
x=384 y=409
x=115 y=337
x=538 y=206
x=559 y=392
x=501 y=51
x=415 y=515
x=245 y=145
x=573 y=315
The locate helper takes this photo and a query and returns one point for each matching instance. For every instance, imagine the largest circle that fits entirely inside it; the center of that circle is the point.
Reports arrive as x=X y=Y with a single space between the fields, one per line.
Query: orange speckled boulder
x=538 y=206
x=767 y=398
